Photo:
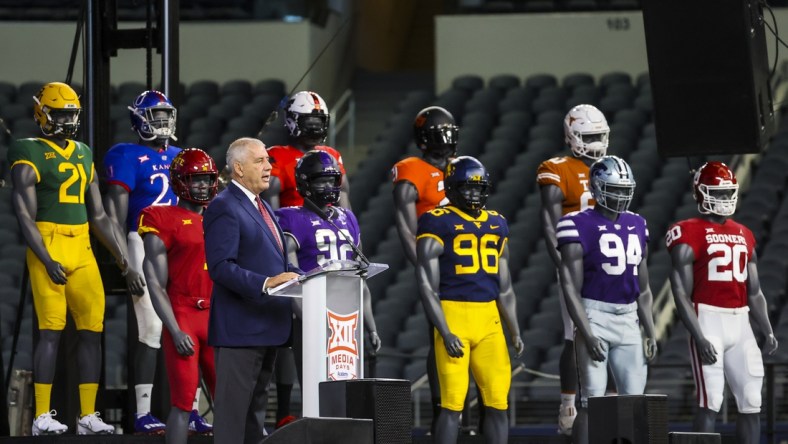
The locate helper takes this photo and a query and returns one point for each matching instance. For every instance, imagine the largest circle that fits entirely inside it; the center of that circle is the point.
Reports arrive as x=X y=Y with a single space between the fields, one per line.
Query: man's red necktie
x=269 y=221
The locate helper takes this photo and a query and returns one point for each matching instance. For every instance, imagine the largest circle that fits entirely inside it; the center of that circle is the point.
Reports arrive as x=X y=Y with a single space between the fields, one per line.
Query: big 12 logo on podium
x=343 y=357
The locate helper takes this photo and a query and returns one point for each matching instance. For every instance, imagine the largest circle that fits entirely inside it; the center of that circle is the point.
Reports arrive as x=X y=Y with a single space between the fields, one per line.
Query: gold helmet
x=57 y=109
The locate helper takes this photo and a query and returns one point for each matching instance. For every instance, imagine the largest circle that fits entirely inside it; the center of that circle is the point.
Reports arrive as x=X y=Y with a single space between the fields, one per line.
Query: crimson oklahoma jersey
x=722 y=252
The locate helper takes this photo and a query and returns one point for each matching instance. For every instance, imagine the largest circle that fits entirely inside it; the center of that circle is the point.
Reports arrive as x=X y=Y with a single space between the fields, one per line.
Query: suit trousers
x=242 y=377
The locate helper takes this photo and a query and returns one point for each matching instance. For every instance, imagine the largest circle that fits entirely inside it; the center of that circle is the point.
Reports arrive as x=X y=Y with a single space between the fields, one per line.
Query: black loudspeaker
x=385 y=401
x=324 y=431
x=628 y=419
x=694 y=438
x=709 y=73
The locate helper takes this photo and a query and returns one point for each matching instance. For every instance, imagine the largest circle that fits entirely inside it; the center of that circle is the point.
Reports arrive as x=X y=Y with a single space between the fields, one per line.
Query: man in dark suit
x=245 y=258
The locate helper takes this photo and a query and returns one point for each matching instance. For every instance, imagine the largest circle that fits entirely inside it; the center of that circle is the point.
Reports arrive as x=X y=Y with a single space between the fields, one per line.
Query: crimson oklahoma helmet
x=187 y=164
x=716 y=189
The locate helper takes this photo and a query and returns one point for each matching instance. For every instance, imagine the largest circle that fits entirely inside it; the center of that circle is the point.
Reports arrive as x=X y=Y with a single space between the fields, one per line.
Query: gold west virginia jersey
x=471 y=248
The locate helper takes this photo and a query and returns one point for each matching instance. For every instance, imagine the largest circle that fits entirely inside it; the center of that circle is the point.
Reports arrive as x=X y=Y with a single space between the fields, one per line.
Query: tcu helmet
x=313 y=165
x=467 y=183
x=56 y=110
x=715 y=188
x=145 y=121
x=612 y=183
x=306 y=115
x=435 y=131
x=187 y=164
x=586 y=131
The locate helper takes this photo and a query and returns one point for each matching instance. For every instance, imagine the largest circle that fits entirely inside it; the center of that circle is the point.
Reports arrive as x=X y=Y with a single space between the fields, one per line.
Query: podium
x=331 y=298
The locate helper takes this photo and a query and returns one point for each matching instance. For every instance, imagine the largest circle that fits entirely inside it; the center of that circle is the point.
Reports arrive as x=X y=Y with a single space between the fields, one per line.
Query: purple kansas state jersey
x=319 y=242
x=144 y=173
x=612 y=252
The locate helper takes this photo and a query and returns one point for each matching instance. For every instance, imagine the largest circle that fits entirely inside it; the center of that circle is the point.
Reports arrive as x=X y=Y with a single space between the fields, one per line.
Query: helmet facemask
x=201 y=188
x=440 y=142
x=614 y=197
x=470 y=196
x=718 y=199
x=323 y=189
x=59 y=121
x=156 y=123
x=312 y=128
x=590 y=145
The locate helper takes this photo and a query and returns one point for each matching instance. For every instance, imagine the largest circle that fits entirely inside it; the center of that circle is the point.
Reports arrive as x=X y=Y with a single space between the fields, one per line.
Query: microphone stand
x=363 y=261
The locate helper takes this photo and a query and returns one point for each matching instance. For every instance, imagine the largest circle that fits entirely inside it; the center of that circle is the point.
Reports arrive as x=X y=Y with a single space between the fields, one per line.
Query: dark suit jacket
x=241 y=253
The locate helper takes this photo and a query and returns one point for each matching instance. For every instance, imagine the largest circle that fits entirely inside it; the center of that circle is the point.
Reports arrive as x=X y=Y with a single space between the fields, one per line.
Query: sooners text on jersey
x=722 y=252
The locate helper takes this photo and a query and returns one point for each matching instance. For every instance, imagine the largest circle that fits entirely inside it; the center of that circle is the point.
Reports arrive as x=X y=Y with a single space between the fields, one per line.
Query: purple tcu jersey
x=144 y=173
x=319 y=242
x=612 y=252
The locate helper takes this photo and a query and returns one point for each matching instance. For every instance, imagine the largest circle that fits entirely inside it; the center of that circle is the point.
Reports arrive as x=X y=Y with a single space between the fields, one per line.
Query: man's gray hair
x=238 y=151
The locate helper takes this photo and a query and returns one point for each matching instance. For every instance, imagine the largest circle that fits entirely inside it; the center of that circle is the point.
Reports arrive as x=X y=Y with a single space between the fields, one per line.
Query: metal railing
x=343 y=119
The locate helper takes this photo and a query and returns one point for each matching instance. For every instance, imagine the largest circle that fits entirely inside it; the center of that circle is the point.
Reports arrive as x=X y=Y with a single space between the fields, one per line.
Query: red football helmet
x=187 y=164
x=716 y=189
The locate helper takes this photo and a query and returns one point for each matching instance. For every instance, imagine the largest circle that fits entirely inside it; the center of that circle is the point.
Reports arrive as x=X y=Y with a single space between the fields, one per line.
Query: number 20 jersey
x=612 y=251
x=319 y=242
x=722 y=252
x=144 y=173
x=471 y=248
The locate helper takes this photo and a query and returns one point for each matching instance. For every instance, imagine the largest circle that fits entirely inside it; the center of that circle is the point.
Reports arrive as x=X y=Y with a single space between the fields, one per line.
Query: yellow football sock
x=43 y=395
x=87 y=398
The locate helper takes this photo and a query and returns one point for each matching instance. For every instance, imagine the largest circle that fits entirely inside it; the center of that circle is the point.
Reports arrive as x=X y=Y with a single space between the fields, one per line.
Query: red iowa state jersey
x=284 y=160
x=722 y=252
x=181 y=232
x=427 y=179
x=569 y=174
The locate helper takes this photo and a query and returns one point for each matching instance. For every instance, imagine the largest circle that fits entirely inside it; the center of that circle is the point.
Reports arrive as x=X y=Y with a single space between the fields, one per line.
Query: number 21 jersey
x=722 y=252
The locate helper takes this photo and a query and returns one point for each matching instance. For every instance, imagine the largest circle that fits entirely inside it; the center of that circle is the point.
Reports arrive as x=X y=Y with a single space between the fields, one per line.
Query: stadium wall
x=560 y=44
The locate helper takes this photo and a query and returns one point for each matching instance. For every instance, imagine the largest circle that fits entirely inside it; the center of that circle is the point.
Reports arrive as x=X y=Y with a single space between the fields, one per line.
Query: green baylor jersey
x=62 y=177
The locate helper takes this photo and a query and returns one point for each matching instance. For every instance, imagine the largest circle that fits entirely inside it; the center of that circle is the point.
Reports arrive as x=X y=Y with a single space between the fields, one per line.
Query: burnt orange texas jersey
x=427 y=179
x=569 y=174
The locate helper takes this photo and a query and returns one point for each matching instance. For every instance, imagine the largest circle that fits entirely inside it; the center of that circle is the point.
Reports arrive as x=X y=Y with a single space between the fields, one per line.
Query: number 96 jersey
x=471 y=248
x=722 y=252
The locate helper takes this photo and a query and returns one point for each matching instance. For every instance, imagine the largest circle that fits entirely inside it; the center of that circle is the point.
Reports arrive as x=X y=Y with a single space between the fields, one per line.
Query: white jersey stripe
x=567 y=233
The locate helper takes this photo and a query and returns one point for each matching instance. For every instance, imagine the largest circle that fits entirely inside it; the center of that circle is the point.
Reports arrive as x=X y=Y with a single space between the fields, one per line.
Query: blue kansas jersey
x=144 y=173
x=612 y=252
x=471 y=248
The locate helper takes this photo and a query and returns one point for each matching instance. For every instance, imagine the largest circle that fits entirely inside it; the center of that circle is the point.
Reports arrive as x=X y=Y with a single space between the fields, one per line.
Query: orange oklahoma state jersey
x=427 y=179
x=569 y=174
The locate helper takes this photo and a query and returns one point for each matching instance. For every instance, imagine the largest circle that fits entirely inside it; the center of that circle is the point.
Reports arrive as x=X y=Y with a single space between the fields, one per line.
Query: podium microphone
x=317 y=210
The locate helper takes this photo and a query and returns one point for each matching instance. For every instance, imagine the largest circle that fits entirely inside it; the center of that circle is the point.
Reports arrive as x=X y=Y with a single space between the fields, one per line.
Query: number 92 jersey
x=144 y=173
x=316 y=240
x=471 y=248
x=722 y=252
x=612 y=251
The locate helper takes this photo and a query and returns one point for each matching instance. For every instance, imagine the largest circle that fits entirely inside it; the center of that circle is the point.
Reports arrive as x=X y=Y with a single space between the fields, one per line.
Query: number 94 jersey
x=471 y=248
x=722 y=252
x=612 y=252
x=316 y=240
